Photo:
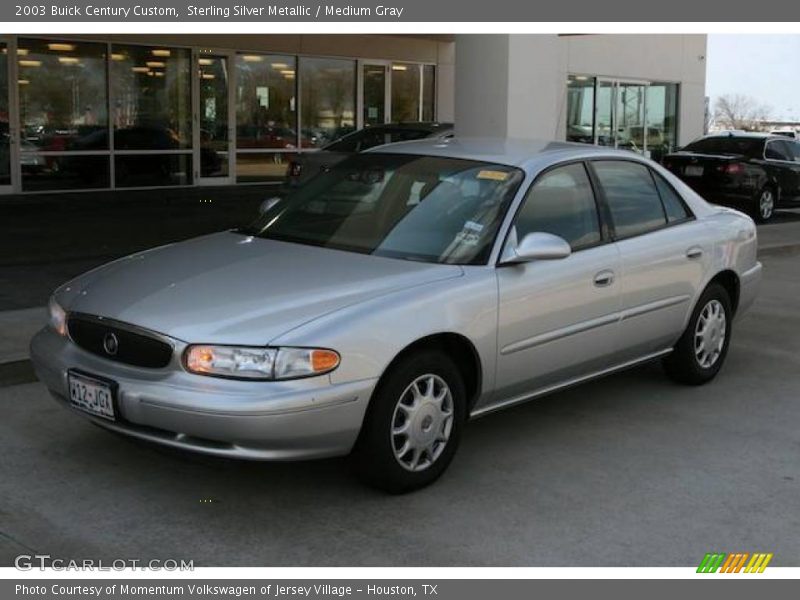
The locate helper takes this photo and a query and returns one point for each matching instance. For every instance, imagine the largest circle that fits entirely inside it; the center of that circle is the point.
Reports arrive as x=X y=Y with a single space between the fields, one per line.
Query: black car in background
x=306 y=165
x=754 y=172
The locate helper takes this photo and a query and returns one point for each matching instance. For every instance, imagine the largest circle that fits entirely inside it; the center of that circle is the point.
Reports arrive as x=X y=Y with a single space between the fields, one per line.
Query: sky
x=762 y=66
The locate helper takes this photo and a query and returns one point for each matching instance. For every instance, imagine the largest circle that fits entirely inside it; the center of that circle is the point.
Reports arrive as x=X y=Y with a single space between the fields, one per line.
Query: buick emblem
x=110 y=344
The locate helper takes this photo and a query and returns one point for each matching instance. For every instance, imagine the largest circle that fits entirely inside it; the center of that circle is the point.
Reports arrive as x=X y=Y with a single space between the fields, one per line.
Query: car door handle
x=694 y=253
x=604 y=278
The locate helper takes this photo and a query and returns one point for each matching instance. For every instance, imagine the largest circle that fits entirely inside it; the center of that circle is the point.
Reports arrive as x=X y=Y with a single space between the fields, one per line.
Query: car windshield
x=726 y=145
x=423 y=208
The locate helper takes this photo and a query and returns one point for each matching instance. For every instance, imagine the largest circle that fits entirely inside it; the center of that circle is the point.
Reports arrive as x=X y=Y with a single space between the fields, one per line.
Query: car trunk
x=707 y=170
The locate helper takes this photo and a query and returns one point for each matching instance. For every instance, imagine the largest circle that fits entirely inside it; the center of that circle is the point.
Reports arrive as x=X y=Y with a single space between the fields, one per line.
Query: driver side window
x=561 y=202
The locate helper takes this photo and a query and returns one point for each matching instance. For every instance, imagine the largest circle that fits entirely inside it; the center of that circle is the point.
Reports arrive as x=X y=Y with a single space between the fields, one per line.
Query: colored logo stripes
x=734 y=562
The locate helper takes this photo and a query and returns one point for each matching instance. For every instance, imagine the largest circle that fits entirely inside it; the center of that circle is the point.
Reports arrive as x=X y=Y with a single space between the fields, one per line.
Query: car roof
x=425 y=125
x=738 y=134
x=509 y=151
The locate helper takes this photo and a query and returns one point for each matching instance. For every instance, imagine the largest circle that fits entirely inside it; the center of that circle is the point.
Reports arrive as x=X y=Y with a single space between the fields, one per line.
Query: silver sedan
x=395 y=296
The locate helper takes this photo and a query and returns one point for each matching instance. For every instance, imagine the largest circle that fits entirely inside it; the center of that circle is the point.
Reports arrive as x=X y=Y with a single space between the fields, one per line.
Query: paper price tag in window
x=492 y=175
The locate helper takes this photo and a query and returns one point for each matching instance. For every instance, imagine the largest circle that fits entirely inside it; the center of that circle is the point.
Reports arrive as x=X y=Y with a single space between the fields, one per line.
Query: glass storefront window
x=405 y=92
x=266 y=113
x=262 y=167
x=151 y=90
x=64 y=172
x=662 y=119
x=428 y=93
x=327 y=100
x=62 y=95
x=580 y=109
x=104 y=115
x=152 y=169
x=5 y=130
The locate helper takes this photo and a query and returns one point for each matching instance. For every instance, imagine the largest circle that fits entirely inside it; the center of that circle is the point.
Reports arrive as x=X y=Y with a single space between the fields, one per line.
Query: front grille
x=94 y=334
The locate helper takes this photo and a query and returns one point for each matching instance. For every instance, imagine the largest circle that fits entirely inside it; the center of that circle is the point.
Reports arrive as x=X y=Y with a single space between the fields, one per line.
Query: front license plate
x=91 y=395
x=693 y=171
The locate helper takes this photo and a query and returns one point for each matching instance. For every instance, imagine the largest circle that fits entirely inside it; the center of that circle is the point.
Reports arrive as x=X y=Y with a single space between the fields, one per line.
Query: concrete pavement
x=632 y=470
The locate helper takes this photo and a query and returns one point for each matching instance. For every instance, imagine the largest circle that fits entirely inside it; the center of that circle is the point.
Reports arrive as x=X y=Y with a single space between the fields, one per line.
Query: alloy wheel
x=766 y=204
x=422 y=422
x=709 y=334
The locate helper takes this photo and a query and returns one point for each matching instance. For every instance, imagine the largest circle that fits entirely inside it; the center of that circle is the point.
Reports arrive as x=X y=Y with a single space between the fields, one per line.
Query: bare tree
x=737 y=111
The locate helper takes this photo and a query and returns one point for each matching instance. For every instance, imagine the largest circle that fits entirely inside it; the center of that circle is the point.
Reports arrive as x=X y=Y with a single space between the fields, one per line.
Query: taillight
x=731 y=168
x=295 y=168
x=668 y=165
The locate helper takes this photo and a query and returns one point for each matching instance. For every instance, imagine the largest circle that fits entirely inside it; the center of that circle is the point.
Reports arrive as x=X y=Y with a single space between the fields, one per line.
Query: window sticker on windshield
x=468 y=238
x=493 y=175
x=473 y=226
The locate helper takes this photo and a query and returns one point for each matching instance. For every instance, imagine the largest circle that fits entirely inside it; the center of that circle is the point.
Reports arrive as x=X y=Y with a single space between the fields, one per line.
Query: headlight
x=58 y=317
x=247 y=362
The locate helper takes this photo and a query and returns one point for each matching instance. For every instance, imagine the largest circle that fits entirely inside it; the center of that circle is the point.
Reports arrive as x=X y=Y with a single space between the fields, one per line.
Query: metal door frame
x=387 y=89
x=230 y=56
x=14 y=133
x=614 y=86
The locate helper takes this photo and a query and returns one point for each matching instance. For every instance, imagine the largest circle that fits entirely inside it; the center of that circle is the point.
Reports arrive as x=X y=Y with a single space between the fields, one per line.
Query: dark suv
x=755 y=172
x=304 y=166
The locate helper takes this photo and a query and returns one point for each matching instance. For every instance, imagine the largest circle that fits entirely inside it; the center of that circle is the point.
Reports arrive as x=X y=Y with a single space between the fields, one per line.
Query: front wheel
x=413 y=425
x=701 y=350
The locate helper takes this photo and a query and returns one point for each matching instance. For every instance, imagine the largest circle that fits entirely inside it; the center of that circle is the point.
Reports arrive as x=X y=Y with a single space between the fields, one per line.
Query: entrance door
x=375 y=96
x=214 y=119
x=604 y=114
x=620 y=115
x=631 y=133
x=6 y=131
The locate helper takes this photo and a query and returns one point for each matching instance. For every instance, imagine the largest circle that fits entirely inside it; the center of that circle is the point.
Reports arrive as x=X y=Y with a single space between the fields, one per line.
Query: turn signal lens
x=247 y=362
x=57 y=317
x=324 y=360
x=303 y=362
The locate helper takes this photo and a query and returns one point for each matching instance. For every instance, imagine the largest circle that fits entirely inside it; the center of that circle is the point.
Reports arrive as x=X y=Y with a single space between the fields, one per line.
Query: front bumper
x=256 y=420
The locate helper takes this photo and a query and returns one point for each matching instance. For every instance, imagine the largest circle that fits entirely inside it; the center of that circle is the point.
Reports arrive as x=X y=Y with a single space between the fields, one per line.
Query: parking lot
x=632 y=470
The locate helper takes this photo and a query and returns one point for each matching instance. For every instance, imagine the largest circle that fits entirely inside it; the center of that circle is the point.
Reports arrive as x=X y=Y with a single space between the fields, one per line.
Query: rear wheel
x=413 y=425
x=764 y=207
x=699 y=354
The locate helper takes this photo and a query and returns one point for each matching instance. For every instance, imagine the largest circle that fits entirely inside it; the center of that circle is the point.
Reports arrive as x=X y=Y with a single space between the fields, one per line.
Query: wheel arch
x=458 y=347
x=729 y=280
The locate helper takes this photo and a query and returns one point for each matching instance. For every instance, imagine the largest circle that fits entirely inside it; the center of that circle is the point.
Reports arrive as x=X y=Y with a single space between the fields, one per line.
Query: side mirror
x=269 y=204
x=539 y=246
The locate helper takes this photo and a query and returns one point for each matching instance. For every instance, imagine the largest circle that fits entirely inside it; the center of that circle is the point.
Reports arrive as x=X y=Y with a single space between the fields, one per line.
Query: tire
x=403 y=399
x=698 y=356
x=764 y=206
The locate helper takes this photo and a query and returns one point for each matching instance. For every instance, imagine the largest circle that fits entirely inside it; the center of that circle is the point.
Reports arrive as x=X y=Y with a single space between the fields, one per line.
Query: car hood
x=229 y=288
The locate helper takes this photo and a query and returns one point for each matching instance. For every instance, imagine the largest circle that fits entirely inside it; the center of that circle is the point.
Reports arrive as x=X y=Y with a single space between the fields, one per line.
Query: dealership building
x=155 y=111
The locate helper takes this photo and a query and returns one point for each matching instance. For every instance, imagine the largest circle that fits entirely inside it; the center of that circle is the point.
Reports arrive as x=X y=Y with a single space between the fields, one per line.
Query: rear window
x=727 y=145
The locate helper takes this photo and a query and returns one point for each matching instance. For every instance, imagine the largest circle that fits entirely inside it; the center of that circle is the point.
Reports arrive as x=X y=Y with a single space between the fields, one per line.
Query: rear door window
x=673 y=205
x=778 y=150
x=632 y=197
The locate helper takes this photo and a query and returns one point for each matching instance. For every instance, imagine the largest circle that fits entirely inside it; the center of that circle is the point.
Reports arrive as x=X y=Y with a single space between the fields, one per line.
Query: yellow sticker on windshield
x=493 y=175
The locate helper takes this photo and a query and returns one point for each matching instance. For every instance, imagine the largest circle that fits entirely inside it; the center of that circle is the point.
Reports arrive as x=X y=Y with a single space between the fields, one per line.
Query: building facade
x=156 y=111
x=644 y=93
